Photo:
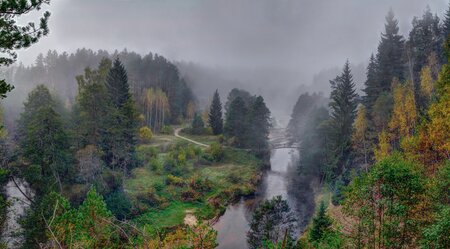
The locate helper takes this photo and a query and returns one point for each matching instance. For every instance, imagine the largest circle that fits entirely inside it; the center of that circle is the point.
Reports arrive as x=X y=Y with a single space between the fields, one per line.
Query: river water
x=233 y=225
x=18 y=205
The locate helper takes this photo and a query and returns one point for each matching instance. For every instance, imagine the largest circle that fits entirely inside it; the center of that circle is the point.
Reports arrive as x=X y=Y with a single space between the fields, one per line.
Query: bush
x=216 y=151
x=149 y=197
x=200 y=184
x=166 y=129
x=174 y=180
x=190 y=195
x=155 y=165
x=145 y=134
x=234 y=178
x=146 y=152
x=119 y=204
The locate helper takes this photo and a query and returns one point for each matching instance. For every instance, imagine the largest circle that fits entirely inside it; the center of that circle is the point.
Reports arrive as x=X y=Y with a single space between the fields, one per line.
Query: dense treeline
x=161 y=95
x=389 y=146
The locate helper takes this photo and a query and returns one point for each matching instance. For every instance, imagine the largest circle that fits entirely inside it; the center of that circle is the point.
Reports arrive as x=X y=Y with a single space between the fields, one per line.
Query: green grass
x=233 y=176
x=172 y=215
x=205 y=139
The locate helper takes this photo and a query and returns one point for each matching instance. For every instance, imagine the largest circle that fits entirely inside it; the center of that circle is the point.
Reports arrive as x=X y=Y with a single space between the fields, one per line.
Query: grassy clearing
x=161 y=202
x=205 y=139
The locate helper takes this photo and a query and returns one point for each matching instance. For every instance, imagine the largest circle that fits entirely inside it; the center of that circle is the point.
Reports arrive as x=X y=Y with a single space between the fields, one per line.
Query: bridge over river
x=279 y=139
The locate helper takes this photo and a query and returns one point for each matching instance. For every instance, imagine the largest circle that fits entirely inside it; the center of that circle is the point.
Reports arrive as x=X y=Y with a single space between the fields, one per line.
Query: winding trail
x=176 y=134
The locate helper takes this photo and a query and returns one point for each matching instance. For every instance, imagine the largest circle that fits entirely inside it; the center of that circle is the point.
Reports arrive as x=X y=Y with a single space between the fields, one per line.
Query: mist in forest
x=276 y=49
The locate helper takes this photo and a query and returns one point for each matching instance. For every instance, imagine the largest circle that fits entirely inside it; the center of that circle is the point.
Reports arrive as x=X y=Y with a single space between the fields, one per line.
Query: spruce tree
x=236 y=122
x=424 y=39
x=43 y=142
x=91 y=105
x=197 y=124
x=373 y=88
x=120 y=135
x=321 y=224
x=259 y=125
x=14 y=36
x=390 y=54
x=446 y=24
x=343 y=110
x=215 y=119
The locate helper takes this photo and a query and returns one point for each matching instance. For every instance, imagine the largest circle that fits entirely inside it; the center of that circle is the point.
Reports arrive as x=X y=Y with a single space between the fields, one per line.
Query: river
x=233 y=225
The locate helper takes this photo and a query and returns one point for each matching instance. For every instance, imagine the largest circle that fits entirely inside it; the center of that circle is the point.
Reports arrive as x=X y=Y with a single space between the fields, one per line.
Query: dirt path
x=176 y=134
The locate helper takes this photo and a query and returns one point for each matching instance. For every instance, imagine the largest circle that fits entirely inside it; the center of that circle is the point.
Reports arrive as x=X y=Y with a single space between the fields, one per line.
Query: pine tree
x=446 y=24
x=321 y=224
x=424 y=39
x=215 y=119
x=236 y=122
x=43 y=142
x=373 y=88
x=390 y=54
x=120 y=135
x=15 y=36
x=91 y=105
x=343 y=110
x=197 y=124
x=260 y=124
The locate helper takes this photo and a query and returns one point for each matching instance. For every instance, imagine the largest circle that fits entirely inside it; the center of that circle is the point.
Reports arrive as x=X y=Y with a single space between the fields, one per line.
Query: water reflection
x=232 y=227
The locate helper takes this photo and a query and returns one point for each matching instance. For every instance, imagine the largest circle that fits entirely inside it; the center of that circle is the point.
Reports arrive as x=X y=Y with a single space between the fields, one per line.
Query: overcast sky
x=299 y=35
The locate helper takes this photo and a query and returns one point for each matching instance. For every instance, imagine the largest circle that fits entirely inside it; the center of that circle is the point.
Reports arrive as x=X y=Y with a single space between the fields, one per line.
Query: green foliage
x=215 y=150
x=387 y=202
x=247 y=122
x=43 y=142
x=321 y=224
x=145 y=134
x=119 y=204
x=166 y=129
x=437 y=234
x=343 y=111
x=91 y=108
x=15 y=36
x=270 y=221
x=215 y=119
x=119 y=138
x=197 y=127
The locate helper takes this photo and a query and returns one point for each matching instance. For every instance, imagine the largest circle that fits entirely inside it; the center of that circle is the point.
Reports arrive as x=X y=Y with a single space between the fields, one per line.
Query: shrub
x=166 y=129
x=146 y=152
x=145 y=134
x=149 y=197
x=190 y=195
x=200 y=184
x=216 y=151
x=174 y=180
x=119 y=204
x=155 y=165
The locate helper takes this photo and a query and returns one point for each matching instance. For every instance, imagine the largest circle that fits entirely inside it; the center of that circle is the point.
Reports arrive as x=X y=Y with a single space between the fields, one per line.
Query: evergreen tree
x=343 y=110
x=446 y=24
x=119 y=137
x=15 y=36
x=260 y=124
x=373 y=88
x=321 y=224
x=197 y=124
x=236 y=122
x=424 y=39
x=92 y=105
x=390 y=54
x=43 y=142
x=215 y=119
x=270 y=221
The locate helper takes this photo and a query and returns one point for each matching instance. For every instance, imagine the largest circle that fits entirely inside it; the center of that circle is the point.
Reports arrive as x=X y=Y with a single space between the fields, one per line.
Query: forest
x=113 y=149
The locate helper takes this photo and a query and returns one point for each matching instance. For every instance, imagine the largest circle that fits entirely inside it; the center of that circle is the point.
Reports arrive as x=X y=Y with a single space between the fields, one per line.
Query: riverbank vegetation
x=384 y=156
x=106 y=164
